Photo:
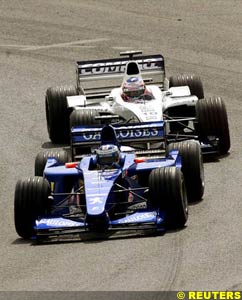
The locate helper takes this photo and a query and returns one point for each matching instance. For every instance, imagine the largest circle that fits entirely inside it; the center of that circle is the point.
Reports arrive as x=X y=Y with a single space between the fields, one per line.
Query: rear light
x=70 y=165
x=138 y=160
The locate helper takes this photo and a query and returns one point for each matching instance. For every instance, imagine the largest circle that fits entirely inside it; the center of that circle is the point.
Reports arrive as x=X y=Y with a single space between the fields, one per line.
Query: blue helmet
x=107 y=155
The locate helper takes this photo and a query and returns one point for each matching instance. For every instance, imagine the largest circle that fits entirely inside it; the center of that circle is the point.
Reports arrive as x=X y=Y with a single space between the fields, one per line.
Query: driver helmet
x=133 y=88
x=108 y=155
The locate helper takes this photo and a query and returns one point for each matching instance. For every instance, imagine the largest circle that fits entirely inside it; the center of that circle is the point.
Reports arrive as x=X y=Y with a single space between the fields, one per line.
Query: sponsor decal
x=118 y=66
x=95 y=208
x=124 y=134
x=133 y=79
x=57 y=222
x=95 y=200
x=138 y=217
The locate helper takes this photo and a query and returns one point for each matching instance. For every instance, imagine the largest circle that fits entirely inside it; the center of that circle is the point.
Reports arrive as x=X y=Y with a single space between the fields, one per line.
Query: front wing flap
x=139 y=220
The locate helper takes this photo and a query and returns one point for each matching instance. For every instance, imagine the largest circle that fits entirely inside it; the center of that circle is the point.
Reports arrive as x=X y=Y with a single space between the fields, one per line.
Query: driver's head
x=108 y=155
x=133 y=88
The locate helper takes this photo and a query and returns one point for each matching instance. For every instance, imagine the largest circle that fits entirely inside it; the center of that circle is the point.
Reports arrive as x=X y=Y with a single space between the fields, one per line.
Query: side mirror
x=109 y=100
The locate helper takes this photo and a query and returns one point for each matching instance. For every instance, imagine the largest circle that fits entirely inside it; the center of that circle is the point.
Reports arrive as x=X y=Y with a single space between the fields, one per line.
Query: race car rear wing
x=99 y=77
x=85 y=138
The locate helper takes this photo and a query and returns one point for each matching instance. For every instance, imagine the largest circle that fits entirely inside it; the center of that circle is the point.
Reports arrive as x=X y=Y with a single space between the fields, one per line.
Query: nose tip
x=97 y=222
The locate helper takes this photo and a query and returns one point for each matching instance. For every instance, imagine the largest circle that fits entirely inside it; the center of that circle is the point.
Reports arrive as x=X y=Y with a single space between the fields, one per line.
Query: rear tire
x=213 y=121
x=168 y=192
x=30 y=202
x=57 y=113
x=83 y=117
x=62 y=156
x=192 y=168
x=194 y=82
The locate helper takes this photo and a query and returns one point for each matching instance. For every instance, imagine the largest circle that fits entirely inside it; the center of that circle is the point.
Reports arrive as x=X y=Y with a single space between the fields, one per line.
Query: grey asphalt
x=40 y=40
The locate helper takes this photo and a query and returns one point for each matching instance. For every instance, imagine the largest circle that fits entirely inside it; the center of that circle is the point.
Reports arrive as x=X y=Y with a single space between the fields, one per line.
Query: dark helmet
x=107 y=155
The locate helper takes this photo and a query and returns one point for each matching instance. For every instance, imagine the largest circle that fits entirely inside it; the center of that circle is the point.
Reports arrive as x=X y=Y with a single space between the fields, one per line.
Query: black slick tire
x=30 y=202
x=62 y=156
x=167 y=192
x=194 y=82
x=213 y=121
x=57 y=113
x=192 y=168
x=83 y=117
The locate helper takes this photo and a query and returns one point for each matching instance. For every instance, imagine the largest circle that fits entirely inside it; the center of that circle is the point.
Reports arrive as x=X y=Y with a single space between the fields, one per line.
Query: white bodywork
x=149 y=68
x=141 y=110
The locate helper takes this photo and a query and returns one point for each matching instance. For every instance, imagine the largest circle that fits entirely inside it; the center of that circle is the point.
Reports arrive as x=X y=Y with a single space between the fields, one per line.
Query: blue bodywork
x=87 y=197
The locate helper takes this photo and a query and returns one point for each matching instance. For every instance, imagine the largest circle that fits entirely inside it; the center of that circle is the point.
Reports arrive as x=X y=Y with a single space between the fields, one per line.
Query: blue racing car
x=113 y=189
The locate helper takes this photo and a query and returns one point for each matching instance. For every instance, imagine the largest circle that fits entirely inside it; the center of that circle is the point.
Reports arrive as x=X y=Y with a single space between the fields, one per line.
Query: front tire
x=192 y=168
x=57 y=113
x=30 y=202
x=167 y=192
x=213 y=121
x=192 y=81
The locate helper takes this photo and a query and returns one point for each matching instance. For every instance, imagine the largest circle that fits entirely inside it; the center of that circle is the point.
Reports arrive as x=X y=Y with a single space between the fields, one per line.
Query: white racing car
x=135 y=89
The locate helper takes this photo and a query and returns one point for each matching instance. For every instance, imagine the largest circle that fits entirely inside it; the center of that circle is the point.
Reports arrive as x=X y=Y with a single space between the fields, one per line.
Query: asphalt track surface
x=40 y=40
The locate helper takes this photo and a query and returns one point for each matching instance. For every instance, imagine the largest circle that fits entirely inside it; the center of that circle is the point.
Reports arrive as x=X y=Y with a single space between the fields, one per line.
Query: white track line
x=59 y=45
